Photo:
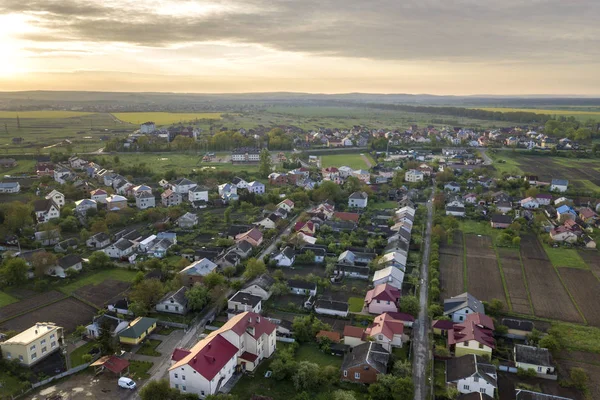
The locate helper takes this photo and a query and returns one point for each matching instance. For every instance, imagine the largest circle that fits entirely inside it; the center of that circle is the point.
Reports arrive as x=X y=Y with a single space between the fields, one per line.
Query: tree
x=516 y=241
x=410 y=305
x=305 y=328
x=197 y=297
x=69 y=224
x=218 y=396
x=17 y=215
x=14 y=271
x=213 y=279
x=265 y=165
x=105 y=339
x=99 y=260
x=138 y=309
x=307 y=376
x=494 y=307
x=343 y=395
x=402 y=368
x=579 y=378
x=551 y=343
x=534 y=337
x=99 y=226
x=280 y=288
x=227 y=215
x=41 y=261
x=254 y=268
x=148 y=293
x=391 y=387
x=159 y=390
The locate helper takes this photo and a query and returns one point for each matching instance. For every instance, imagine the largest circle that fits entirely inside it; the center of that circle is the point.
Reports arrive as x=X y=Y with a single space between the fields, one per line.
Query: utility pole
x=18 y=122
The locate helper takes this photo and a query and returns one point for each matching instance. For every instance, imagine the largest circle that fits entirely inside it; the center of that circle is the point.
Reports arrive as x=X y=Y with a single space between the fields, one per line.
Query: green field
x=163 y=118
x=561 y=257
x=578 y=337
x=6 y=299
x=354 y=161
x=118 y=274
x=562 y=113
x=49 y=114
x=310 y=352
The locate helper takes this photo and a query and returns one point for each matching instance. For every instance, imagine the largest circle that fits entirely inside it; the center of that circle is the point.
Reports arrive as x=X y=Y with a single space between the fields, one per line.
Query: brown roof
x=353 y=331
x=333 y=336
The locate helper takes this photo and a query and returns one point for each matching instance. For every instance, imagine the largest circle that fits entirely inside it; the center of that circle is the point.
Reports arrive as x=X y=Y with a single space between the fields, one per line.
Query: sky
x=457 y=47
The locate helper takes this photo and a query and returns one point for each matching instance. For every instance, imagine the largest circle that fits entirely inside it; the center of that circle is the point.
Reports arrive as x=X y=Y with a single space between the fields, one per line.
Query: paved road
x=273 y=246
x=487 y=160
x=420 y=343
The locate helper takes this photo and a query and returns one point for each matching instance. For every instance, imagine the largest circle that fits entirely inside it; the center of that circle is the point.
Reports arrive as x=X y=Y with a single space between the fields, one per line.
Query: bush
x=526 y=373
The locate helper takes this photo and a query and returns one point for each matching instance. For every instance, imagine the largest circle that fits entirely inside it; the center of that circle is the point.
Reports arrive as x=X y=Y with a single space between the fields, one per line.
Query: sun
x=13 y=54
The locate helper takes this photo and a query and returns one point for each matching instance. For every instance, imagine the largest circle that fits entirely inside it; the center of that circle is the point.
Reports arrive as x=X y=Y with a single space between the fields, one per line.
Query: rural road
x=487 y=160
x=420 y=343
x=367 y=161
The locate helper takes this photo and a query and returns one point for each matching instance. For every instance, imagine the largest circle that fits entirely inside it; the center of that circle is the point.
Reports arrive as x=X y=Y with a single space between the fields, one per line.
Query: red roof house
x=387 y=331
x=253 y=236
x=473 y=336
x=383 y=298
x=347 y=216
x=308 y=227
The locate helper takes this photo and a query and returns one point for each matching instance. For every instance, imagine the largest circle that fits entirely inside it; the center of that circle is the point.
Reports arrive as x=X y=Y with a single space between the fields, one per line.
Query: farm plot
x=483 y=275
x=102 y=293
x=68 y=313
x=452 y=266
x=23 y=306
x=592 y=259
x=584 y=287
x=548 y=295
x=515 y=281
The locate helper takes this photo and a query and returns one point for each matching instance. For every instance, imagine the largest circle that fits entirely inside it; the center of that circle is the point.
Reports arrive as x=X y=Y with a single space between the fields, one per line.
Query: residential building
x=45 y=210
x=287 y=205
x=559 y=185
x=460 y=306
x=381 y=299
x=354 y=335
x=243 y=302
x=245 y=155
x=98 y=241
x=535 y=358
x=82 y=206
x=260 y=286
x=57 y=197
x=33 y=344
x=331 y=307
x=144 y=200
x=198 y=193
x=174 y=302
x=147 y=127
x=364 y=363
x=472 y=374
x=452 y=187
x=387 y=331
x=10 y=187
x=286 y=257
x=253 y=236
x=120 y=249
x=500 y=221
x=99 y=195
x=187 y=220
x=256 y=187
x=391 y=275
x=183 y=186
x=563 y=234
x=244 y=341
x=239 y=183
x=170 y=198
x=138 y=330
x=414 y=175
x=472 y=336
x=69 y=262
x=302 y=287
x=358 y=200
x=529 y=203
x=116 y=202
x=196 y=271
x=543 y=199
x=456 y=211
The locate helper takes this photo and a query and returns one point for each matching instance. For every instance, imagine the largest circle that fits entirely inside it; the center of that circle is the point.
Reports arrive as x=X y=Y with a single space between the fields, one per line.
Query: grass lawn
x=477 y=228
x=401 y=353
x=148 y=348
x=165 y=330
x=163 y=118
x=118 y=274
x=310 y=352
x=354 y=161
x=356 y=304
x=561 y=257
x=77 y=354
x=11 y=385
x=578 y=337
x=439 y=378
x=139 y=369
x=382 y=206
x=6 y=299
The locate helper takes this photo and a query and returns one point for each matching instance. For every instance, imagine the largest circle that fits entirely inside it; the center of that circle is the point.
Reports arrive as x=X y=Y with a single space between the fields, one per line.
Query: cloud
x=464 y=30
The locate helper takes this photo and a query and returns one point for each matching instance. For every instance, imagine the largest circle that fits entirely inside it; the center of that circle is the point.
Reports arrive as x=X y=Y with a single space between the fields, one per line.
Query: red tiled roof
x=353 y=331
x=402 y=316
x=253 y=234
x=288 y=202
x=115 y=364
x=212 y=357
x=251 y=320
x=386 y=325
x=249 y=356
x=179 y=354
x=346 y=216
x=333 y=336
x=587 y=213
x=443 y=325
x=383 y=292
x=476 y=327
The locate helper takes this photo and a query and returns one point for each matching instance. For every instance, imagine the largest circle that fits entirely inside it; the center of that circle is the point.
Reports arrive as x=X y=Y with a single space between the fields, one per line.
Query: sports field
x=354 y=161
x=163 y=118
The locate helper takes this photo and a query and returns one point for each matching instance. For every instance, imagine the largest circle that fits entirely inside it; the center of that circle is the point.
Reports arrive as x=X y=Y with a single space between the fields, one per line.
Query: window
x=176 y=386
x=43 y=342
x=380 y=337
x=476 y=379
x=357 y=375
x=466 y=387
x=481 y=390
x=52 y=336
x=378 y=301
x=34 y=356
x=32 y=348
x=480 y=346
x=176 y=376
x=460 y=318
x=44 y=349
x=183 y=387
x=53 y=344
x=539 y=369
x=183 y=377
x=20 y=358
x=166 y=307
x=202 y=393
x=176 y=308
x=345 y=373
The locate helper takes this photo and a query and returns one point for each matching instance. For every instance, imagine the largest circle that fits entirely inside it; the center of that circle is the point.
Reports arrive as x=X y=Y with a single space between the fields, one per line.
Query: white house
x=69 y=262
x=57 y=197
x=559 y=185
x=45 y=210
x=242 y=302
x=10 y=187
x=455 y=211
x=174 y=302
x=227 y=188
x=413 y=175
x=390 y=275
x=387 y=331
x=535 y=358
x=147 y=127
x=260 y=286
x=287 y=205
x=121 y=248
x=244 y=341
x=239 y=183
x=529 y=203
x=256 y=187
x=198 y=193
x=302 y=287
x=285 y=258
x=183 y=186
x=345 y=171
x=99 y=195
x=393 y=259
x=331 y=307
x=187 y=220
x=98 y=241
x=144 y=200
x=358 y=200
x=458 y=307
x=83 y=205
x=61 y=175
x=472 y=374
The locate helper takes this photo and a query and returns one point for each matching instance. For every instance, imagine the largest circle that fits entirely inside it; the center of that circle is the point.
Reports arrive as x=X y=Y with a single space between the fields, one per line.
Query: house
x=563 y=234
x=517 y=328
x=331 y=307
x=8 y=162
x=354 y=335
x=243 y=248
x=308 y=227
x=239 y=183
x=245 y=155
x=302 y=287
x=500 y=221
x=452 y=187
x=472 y=336
x=57 y=197
x=529 y=203
x=270 y=222
x=456 y=211
x=413 y=175
x=136 y=190
x=535 y=358
x=183 y=186
x=362 y=175
x=187 y=220
x=543 y=199
x=69 y=262
x=137 y=331
x=285 y=258
x=147 y=127
x=198 y=193
x=472 y=374
x=98 y=241
x=227 y=188
x=174 y=302
x=242 y=302
x=10 y=187
x=559 y=185
x=391 y=275
x=382 y=298
x=66 y=245
x=113 y=324
x=504 y=206
x=256 y=187
x=345 y=171
x=144 y=200
x=116 y=202
x=253 y=236
x=278 y=179
x=121 y=306
x=588 y=215
x=459 y=307
x=47 y=237
x=352 y=271
x=393 y=259
x=347 y=216
x=45 y=210
x=33 y=344
x=99 y=195
x=358 y=200
x=82 y=206
x=364 y=363
x=588 y=242
x=170 y=198
x=260 y=286
x=120 y=249
x=62 y=174
x=243 y=342
x=387 y=331
x=334 y=337
x=287 y=205
x=196 y=271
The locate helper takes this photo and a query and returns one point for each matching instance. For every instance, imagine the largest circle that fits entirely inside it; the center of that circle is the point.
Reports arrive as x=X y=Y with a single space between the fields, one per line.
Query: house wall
x=472 y=348
x=196 y=383
x=25 y=352
x=469 y=385
x=359 y=203
x=365 y=375
x=393 y=282
x=460 y=315
x=326 y=311
x=173 y=308
x=257 y=291
x=382 y=307
x=197 y=196
x=352 y=341
x=537 y=368
x=303 y=291
x=138 y=340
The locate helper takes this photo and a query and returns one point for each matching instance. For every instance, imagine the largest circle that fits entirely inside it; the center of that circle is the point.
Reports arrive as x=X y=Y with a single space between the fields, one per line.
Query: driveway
x=85 y=386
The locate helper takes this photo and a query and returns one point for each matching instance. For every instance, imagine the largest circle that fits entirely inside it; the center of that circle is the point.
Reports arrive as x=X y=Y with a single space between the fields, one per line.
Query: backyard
x=96 y=278
x=76 y=356
x=356 y=304
x=148 y=348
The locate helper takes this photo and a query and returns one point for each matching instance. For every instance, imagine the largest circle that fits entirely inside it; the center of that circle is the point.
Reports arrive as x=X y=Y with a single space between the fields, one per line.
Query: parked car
x=126 y=383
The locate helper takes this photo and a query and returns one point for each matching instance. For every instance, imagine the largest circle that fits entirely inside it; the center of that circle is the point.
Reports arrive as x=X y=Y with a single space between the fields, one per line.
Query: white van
x=126 y=383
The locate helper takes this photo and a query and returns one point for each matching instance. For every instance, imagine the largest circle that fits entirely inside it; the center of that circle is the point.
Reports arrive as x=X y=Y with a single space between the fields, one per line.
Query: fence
x=285 y=339
x=173 y=324
x=63 y=374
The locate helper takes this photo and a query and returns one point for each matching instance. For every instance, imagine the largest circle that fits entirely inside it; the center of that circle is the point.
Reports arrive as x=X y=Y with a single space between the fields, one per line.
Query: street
x=420 y=342
x=273 y=246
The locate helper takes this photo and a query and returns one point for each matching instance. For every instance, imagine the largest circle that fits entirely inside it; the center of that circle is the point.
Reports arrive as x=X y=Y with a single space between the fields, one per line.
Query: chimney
x=194 y=360
x=209 y=345
x=257 y=319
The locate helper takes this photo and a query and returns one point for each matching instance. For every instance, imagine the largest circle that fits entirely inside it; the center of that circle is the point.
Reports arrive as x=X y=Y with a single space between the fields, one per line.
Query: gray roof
x=529 y=395
x=455 y=209
x=246 y=299
x=183 y=181
x=100 y=237
x=69 y=260
x=517 y=324
x=562 y=182
x=123 y=244
x=8 y=185
x=244 y=246
x=469 y=365
x=370 y=353
x=463 y=300
x=501 y=219
x=288 y=252
x=178 y=296
x=295 y=283
x=264 y=281
x=359 y=195
x=532 y=355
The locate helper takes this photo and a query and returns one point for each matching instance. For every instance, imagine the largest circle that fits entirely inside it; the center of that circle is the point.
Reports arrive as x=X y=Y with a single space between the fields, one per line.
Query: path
x=420 y=343
x=273 y=246
x=487 y=160
x=367 y=161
